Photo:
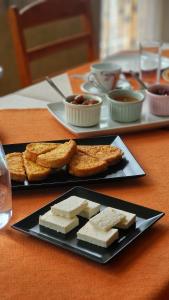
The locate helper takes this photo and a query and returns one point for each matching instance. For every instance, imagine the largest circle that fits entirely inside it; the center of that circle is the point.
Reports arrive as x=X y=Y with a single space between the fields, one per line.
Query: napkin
x=37 y=95
x=43 y=91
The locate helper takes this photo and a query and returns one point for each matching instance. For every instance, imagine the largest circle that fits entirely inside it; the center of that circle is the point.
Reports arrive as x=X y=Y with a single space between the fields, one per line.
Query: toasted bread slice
x=111 y=154
x=85 y=165
x=35 y=149
x=35 y=172
x=16 y=166
x=58 y=157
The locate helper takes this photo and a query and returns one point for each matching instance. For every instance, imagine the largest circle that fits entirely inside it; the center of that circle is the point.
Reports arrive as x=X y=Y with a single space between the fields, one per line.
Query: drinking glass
x=5 y=191
x=150 y=61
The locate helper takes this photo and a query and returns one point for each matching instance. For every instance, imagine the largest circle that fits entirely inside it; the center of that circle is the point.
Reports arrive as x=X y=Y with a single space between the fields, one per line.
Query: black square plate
x=145 y=217
x=127 y=168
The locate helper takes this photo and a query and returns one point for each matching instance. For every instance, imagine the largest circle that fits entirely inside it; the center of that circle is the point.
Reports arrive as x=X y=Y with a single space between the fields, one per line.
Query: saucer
x=129 y=61
x=87 y=87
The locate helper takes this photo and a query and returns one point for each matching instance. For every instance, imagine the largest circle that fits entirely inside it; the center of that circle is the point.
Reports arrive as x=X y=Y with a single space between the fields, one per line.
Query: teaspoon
x=54 y=86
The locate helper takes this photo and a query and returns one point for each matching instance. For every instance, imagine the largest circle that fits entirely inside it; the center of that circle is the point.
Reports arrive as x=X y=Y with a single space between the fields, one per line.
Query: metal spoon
x=54 y=86
x=144 y=86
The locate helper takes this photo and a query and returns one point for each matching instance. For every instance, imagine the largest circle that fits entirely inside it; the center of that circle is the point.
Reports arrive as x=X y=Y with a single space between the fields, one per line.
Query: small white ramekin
x=83 y=115
x=158 y=104
x=125 y=111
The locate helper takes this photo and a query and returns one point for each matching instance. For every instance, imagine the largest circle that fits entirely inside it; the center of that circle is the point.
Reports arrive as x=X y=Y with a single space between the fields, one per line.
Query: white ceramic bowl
x=125 y=111
x=158 y=104
x=83 y=115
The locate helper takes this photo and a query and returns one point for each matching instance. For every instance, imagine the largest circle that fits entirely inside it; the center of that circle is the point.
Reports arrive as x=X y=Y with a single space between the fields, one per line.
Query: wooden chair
x=43 y=12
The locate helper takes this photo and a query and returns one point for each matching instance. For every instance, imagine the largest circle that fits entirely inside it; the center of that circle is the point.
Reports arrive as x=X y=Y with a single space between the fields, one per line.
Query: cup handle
x=92 y=79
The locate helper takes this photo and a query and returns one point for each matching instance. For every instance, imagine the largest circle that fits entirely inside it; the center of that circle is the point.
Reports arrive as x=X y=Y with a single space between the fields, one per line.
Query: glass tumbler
x=150 y=61
x=5 y=191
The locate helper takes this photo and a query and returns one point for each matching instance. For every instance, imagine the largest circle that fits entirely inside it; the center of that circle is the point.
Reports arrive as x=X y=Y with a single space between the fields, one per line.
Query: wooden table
x=33 y=269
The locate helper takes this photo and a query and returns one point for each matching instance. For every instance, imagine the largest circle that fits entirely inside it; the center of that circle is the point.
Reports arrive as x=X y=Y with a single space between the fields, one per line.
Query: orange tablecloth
x=33 y=269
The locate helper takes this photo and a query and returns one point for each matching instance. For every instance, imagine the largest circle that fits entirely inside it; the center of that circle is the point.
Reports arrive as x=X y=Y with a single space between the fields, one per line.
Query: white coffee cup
x=104 y=75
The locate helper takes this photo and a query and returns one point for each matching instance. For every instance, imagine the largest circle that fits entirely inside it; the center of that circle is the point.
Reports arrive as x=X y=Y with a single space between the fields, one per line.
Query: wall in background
x=119 y=26
x=153 y=21
x=62 y=61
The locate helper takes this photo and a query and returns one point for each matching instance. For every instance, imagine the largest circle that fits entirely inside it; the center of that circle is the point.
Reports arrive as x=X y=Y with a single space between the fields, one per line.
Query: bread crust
x=35 y=149
x=111 y=154
x=16 y=166
x=39 y=161
x=83 y=165
x=58 y=157
x=35 y=172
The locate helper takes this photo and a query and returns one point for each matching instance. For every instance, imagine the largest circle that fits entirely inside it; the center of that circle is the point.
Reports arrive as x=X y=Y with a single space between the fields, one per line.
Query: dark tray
x=127 y=168
x=145 y=218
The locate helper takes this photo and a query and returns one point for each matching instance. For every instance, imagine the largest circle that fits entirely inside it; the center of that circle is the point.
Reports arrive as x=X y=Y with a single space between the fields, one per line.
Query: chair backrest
x=43 y=12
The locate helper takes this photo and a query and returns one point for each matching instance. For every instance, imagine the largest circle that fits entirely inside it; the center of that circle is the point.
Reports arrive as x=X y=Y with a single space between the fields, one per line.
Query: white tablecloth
x=37 y=95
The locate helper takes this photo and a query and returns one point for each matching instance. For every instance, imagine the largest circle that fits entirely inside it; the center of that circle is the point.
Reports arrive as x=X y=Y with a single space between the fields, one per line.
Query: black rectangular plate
x=127 y=168
x=145 y=217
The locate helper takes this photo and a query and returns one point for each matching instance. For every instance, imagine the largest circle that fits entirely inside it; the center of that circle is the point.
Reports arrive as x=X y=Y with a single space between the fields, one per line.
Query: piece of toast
x=16 y=166
x=35 y=149
x=82 y=165
x=58 y=157
x=111 y=154
x=35 y=172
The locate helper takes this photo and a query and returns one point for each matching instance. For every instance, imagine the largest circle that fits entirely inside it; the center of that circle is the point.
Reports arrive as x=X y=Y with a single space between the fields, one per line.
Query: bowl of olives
x=83 y=110
x=157 y=96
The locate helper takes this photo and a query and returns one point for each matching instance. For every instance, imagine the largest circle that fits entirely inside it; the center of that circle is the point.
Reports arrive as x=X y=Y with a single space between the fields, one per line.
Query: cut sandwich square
x=58 y=223
x=90 y=234
x=107 y=219
x=69 y=207
x=128 y=220
x=90 y=210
